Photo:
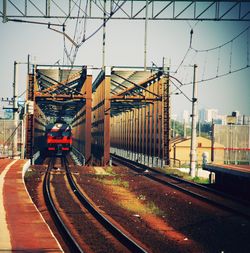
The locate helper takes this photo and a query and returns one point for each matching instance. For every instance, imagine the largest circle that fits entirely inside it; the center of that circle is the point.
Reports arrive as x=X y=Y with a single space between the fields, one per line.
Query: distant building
x=211 y=115
x=236 y=114
x=202 y=115
x=186 y=116
x=221 y=120
x=236 y=140
x=180 y=150
x=208 y=115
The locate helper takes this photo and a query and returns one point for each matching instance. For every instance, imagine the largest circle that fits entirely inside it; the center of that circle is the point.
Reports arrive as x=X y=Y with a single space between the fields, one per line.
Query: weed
x=125 y=184
x=110 y=171
x=116 y=181
x=201 y=180
x=153 y=209
x=30 y=173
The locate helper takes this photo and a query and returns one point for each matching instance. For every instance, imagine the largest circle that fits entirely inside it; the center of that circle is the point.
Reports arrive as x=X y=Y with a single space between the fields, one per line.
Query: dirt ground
x=162 y=218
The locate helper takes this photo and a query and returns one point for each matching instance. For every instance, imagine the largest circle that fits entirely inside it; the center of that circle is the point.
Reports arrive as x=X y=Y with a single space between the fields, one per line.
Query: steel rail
x=222 y=194
x=62 y=228
x=139 y=167
x=114 y=230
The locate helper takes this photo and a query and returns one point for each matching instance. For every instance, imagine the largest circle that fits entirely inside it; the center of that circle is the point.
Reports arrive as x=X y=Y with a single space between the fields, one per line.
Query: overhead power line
x=223 y=58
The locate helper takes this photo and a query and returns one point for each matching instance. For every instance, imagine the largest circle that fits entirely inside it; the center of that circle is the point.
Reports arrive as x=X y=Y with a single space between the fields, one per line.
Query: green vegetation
x=178 y=129
x=30 y=173
x=110 y=171
x=186 y=176
x=153 y=209
x=111 y=178
x=118 y=181
x=201 y=180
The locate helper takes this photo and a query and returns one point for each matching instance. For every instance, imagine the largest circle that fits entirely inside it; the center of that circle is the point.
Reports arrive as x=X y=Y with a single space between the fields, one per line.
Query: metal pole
x=104 y=35
x=212 y=140
x=145 y=36
x=4 y=11
x=15 y=107
x=47 y=8
x=22 y=139
x=193 y=155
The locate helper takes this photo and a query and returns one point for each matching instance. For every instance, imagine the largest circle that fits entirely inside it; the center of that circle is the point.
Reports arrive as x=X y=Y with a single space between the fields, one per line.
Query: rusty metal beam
x=60 y=83
x=71 y=78
x=88 y=111
x=140 y=86
x=39 y=95
x=101 y=109
x=146 y=134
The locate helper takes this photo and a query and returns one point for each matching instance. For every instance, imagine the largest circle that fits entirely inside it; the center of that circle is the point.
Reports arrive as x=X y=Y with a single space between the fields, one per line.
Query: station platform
x=231 y=169
x=22 y=227
x=232 y=178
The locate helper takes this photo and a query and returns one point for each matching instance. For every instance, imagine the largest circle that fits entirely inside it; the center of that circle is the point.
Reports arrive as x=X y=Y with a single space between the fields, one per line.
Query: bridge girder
x=223 y=10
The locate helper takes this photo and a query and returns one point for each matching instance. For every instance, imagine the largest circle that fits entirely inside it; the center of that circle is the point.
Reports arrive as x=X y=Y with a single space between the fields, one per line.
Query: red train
x=58 y=138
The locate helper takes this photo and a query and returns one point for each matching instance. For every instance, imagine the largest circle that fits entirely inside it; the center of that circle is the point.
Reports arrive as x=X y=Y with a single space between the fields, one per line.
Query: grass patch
x=153 y=209
x=110 y=171
x=118 y=181
x=186 y=176
x=30 y=173
x=136 y=206
x=201 y=180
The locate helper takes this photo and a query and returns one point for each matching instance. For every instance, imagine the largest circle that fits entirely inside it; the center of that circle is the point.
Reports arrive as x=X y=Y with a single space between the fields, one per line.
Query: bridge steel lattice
x=225 y=10
x=58 y=92
x=130 y=115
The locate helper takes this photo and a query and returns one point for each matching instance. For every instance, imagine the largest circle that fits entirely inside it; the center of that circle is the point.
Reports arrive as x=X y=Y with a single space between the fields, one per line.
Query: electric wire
x=224 y=44
x=102 y=25
x=219 y=55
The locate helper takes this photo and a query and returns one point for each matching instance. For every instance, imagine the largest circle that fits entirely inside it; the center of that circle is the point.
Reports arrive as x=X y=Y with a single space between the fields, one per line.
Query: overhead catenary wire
x=71 y=56
x=224 y=44
x=219 y=62
x=103 y=24
x=84 y=38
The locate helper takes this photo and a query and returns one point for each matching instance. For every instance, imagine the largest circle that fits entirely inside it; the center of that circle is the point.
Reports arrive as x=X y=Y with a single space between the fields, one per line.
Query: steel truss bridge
x=223 y=10
x=122 y=109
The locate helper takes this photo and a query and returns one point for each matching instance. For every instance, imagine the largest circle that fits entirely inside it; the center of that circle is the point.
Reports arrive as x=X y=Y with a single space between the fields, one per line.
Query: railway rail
x=113 y=229
x=117 y=233
x=61 y=226
x=206 y=194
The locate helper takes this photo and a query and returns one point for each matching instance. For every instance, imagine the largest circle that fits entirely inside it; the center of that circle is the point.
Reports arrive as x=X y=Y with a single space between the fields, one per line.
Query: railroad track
x=113 y=229
x=203 y=193
x=61 y=226
x=117 y=233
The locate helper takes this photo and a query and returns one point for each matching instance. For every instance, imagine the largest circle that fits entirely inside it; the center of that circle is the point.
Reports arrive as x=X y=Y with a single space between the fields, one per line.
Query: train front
x=59 y=138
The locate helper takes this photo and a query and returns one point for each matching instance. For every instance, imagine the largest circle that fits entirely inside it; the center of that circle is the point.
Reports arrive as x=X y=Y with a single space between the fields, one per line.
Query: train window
x=53 y=134
x=66 y=133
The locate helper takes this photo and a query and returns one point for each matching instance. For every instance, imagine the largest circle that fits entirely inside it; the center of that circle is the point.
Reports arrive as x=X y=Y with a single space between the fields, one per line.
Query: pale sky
x=125 y=47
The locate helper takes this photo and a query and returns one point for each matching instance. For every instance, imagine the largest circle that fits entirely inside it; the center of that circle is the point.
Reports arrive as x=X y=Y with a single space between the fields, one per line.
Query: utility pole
x=193 y=155
x=4 y=11
x=166 y=116
x=145 y=36
x=15 y=108
x=104 y=35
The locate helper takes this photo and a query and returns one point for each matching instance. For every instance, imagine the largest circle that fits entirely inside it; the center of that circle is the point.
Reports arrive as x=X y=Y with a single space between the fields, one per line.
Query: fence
x=11 y=138
x=236 y=140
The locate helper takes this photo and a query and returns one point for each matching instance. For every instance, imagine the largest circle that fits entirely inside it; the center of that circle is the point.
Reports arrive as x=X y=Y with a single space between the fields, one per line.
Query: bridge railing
x=79 y=155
